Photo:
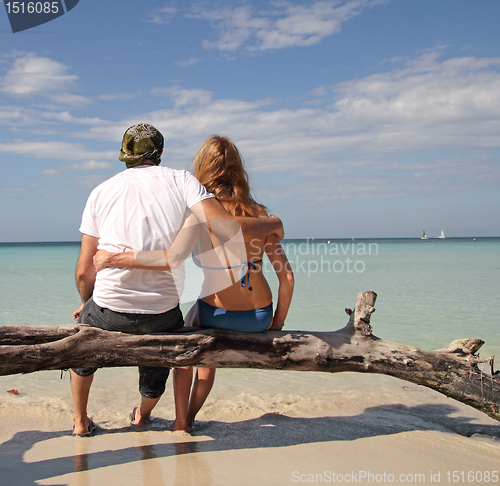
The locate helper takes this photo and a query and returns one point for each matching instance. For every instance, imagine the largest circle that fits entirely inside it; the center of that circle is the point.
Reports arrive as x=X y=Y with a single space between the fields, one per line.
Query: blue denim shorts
x=152 y=379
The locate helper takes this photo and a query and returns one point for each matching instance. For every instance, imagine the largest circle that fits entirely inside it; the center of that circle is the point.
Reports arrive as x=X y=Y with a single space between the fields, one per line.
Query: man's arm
x=85 y=272
x=210 y=210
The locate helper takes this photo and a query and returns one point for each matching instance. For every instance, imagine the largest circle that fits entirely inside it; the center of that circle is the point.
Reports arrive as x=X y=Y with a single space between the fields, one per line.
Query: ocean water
x=430 y=292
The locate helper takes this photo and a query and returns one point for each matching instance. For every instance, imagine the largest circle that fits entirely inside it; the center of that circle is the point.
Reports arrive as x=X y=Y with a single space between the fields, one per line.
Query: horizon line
x=310 y=239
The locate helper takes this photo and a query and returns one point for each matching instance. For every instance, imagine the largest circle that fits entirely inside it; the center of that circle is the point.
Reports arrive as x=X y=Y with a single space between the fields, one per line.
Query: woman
x=235 y=295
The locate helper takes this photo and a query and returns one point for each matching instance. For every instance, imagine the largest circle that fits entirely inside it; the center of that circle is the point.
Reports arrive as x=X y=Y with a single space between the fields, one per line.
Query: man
x=142 y=208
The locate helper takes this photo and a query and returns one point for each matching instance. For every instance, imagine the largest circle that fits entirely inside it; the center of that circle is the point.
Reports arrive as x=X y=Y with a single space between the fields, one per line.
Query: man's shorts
x=152 y=379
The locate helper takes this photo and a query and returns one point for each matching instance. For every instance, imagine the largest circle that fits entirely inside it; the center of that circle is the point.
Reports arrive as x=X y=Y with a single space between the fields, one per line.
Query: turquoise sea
x=430 y=292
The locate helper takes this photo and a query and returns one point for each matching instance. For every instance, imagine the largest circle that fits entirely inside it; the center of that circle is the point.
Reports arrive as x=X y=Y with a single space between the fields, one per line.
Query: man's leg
x=81 y=379
x=80 y=388
x=152 y=381
x=143 y=411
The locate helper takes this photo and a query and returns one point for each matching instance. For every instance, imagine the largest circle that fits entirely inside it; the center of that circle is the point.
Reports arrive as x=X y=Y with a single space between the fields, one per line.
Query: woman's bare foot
x=178 y=426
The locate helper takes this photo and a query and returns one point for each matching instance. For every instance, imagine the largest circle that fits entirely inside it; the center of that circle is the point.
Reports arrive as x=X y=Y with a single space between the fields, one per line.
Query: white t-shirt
x=140 y=209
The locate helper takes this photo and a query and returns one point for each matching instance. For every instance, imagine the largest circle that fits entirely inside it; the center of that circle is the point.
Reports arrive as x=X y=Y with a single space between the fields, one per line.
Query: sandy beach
x=385 y=431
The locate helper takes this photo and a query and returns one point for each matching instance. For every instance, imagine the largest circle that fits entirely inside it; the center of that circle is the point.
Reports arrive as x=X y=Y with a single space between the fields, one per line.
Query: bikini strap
x=244 y=274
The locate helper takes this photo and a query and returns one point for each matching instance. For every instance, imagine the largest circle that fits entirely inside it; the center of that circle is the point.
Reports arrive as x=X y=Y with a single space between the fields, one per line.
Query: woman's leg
x=189 y=402
x=203 y=383
x=182 y=387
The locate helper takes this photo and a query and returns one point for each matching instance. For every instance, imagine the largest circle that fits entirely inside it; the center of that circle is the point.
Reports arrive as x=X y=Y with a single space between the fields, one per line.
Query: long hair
x=219 y=167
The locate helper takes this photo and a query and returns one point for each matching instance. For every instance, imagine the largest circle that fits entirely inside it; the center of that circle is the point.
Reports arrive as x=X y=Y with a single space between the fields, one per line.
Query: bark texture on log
x=452 y=370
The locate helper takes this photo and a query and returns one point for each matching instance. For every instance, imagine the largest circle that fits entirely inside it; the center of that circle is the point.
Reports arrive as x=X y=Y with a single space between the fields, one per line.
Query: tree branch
x=452 y=370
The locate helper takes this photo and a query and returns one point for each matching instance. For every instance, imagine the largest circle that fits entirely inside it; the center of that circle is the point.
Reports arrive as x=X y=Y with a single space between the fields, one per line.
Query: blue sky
x=359 y=118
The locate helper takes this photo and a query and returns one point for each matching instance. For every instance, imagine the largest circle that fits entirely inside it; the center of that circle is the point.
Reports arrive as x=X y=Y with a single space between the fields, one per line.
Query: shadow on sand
x=269 y=430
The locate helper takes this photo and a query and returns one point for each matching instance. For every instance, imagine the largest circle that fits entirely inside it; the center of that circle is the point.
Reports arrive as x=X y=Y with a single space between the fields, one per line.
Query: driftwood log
x=452 y=370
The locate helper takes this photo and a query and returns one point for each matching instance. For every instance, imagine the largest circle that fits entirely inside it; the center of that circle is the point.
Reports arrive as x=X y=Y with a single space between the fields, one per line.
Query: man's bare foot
x=84 y=428
x=137 y=419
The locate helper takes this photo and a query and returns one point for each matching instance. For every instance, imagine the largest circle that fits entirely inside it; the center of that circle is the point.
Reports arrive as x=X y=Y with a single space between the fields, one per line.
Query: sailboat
x=442 y=235
x=424 y=237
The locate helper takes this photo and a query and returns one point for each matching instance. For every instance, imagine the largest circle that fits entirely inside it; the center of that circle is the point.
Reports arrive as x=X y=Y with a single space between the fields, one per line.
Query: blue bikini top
x=244 y=274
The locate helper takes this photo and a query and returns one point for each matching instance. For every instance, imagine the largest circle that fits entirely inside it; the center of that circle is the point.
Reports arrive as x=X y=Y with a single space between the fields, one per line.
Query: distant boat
x=442 y=235
x=424 y=237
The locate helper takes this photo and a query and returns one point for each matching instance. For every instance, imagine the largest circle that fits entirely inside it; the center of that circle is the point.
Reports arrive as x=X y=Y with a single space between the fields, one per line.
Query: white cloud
x=453 y=103
x=284 y=25
x=31 y=75
x=11 y=189
x=82 y=166
x=320 y=91
x=194 y=115
x=184 y=97
x=188 y=62
x=52 y=172
x=90 y=181
x=54 y=150
x=91 y=165
x=66 y=117
x=428 y=104
x=15 y=115
x=428 y=127
x=118 y=96
x=69 y=99
x=161 y=15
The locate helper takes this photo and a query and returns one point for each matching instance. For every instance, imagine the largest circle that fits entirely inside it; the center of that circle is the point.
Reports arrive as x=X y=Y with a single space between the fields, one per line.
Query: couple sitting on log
x=139 y=226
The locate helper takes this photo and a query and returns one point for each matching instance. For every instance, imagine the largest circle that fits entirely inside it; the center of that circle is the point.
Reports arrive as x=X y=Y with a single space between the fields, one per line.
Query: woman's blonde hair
x=219 y=167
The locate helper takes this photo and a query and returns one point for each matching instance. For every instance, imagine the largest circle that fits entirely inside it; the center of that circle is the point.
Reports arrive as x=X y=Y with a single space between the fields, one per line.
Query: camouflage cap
x=140 y=143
